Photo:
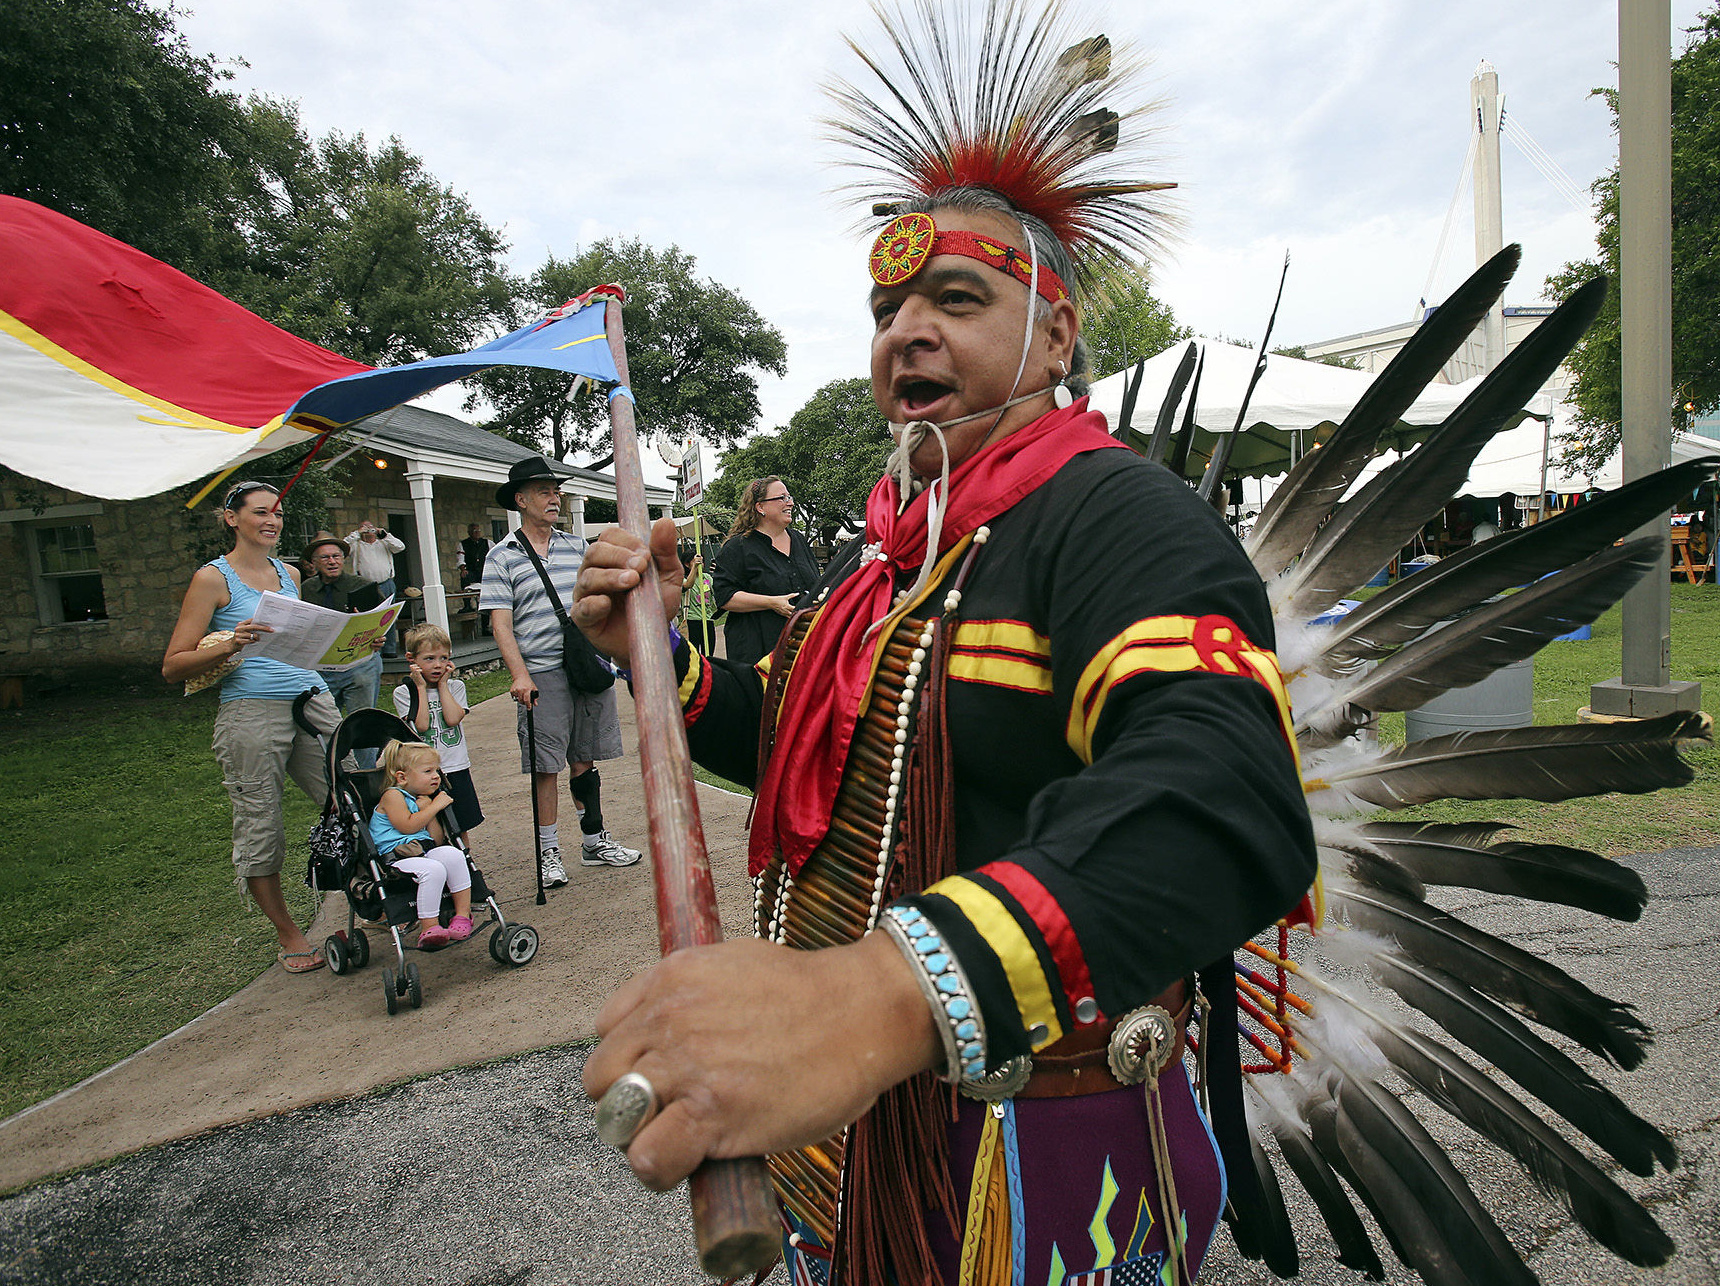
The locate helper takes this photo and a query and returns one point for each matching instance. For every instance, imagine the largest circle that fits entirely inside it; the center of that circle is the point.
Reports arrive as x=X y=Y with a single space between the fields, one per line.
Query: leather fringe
x=898 y=1153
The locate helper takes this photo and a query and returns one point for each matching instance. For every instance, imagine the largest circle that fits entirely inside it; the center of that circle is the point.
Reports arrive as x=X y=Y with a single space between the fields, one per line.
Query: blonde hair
x=427 y=634
x=401 y=756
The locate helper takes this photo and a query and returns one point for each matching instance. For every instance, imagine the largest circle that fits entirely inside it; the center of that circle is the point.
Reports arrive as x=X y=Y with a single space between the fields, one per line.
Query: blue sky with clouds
x=1333 y=131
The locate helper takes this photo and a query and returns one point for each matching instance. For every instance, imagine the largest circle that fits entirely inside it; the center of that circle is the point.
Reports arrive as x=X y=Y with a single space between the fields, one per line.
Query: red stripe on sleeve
x=1055 y=929
x=701 y=691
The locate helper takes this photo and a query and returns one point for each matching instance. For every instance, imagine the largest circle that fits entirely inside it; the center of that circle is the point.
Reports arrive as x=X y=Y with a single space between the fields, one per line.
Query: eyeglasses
x=771 y=500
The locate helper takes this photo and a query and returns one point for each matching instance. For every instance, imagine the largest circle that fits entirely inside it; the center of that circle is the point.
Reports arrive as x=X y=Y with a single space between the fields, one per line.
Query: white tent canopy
x=1296 y=403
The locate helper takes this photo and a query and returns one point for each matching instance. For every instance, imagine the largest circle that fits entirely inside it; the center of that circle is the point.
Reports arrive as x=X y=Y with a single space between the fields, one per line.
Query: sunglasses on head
x=239 y=490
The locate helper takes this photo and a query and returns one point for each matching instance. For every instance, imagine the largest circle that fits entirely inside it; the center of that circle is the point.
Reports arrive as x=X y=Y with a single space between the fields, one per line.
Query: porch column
x=576 y=511
x=423 y=490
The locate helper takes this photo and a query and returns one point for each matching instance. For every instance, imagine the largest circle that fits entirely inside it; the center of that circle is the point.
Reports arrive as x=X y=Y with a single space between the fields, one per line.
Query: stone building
x=89 y=584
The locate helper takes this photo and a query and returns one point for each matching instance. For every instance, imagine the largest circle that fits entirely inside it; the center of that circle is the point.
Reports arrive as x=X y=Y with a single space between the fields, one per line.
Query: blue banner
x=574 y=343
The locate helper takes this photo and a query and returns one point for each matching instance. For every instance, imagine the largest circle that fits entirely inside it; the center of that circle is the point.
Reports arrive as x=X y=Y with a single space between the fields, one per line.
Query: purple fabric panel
x=1065 y=1144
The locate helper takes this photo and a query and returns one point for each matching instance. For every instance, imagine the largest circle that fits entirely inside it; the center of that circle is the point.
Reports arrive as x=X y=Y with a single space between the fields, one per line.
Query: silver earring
x=1061 y=395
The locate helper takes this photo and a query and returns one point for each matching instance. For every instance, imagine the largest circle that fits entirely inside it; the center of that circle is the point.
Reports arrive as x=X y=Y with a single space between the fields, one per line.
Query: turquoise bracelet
x=960 y=1024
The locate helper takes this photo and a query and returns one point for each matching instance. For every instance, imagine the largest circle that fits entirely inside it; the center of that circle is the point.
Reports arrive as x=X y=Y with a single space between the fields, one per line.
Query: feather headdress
x=1020 y=98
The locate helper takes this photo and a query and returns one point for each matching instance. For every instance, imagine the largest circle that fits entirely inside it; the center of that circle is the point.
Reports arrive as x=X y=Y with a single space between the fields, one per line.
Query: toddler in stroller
x=409 y=838
x=384 y=887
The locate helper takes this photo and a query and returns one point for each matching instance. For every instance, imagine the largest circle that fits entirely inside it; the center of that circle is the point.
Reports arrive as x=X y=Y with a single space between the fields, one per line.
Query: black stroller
x=344 y=857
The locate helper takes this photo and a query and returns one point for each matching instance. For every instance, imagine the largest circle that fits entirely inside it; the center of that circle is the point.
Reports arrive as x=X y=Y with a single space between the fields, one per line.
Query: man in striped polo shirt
x=574 y=729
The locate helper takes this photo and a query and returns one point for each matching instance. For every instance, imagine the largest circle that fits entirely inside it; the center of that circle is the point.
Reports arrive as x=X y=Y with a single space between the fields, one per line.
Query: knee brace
x=586 y=792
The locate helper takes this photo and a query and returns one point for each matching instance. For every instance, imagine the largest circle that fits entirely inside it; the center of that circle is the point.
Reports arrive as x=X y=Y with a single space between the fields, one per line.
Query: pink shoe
x=434 y=938
x=460 y=928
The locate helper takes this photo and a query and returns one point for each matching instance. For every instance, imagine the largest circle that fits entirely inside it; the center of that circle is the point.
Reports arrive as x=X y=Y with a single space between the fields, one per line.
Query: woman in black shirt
x=762 y=569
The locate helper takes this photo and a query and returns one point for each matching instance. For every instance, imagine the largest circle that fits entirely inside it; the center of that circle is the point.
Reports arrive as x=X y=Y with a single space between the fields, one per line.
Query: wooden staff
x=734 y=1209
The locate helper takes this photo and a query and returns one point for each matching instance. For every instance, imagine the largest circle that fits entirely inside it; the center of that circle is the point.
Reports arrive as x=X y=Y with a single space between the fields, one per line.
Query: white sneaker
x=600 y=850
x=554 y=874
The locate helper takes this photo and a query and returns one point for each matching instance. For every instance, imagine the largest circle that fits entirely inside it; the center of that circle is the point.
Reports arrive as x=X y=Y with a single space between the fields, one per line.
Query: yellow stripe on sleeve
x=1170 y=644
x=690 y=684
x=992 y=920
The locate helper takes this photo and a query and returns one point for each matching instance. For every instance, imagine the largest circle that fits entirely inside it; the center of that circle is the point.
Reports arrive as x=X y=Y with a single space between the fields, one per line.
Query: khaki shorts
x=258 y=746
x=572 y=727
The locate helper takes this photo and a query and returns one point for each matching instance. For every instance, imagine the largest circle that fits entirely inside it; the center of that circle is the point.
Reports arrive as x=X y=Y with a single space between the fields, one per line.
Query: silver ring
x=625 y=1108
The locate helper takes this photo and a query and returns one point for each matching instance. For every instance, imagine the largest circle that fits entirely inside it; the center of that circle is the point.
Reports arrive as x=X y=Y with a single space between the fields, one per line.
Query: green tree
x=361 y=249
x=693 y=347
x=107 y=116
x=1300 y=353
x=1594 y=362
x=831 y=455
x=1128 y=325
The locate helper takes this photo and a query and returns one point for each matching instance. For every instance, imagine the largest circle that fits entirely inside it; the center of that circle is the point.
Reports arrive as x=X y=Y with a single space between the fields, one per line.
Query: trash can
x=1504 y=699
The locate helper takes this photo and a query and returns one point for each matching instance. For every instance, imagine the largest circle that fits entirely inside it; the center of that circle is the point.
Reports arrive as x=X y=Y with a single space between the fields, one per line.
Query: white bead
x=894 y=791
x=895 y=777
x=914 y=666
x=919 y=654
x=902 y=721
x=981 y=535
x=896 y=760
x=901 y=737
x=952 y=598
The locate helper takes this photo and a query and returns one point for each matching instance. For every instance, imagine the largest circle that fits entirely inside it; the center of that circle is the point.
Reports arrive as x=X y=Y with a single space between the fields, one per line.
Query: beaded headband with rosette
x=1012 y=95
x=909 y=241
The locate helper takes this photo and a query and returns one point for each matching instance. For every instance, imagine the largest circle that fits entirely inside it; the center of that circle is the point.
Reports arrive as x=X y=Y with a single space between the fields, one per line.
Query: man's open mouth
x=917 y=396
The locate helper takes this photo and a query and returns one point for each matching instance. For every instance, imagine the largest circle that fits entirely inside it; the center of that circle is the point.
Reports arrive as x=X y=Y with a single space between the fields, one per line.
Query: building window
x=68 y=574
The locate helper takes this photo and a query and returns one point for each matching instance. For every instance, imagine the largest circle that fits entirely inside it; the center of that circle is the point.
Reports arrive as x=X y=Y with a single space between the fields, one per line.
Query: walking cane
x=531 y=758
x=734 y=1211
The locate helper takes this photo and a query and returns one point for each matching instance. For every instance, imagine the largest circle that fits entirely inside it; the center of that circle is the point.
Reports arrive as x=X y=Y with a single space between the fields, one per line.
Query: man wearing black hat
x=573 y=729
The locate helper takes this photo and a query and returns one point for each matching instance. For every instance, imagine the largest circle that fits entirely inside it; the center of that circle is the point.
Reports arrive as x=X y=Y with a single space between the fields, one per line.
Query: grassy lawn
x=1612 y=824
x=116 y=855
x=117 y=863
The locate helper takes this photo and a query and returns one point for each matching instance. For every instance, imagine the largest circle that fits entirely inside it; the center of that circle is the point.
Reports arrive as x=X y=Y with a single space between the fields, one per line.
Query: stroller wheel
x=358 y=948
x=519 y=945
x=498 y=949
x=334 y=950
x=388 y=994
x=414 y=988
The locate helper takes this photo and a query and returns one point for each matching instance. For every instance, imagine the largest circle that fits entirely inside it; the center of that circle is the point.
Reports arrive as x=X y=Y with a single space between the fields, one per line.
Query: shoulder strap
x=285 y=575
x=554 y=598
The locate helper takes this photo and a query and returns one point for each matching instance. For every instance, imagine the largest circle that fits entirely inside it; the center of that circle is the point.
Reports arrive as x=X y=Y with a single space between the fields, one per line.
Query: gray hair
x=1052 y=253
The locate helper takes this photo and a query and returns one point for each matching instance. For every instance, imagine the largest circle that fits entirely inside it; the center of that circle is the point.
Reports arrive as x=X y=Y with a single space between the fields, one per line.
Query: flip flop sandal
x=314 y=956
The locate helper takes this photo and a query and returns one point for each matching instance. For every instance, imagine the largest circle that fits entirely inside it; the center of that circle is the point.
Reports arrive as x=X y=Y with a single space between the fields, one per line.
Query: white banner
x=692 y=480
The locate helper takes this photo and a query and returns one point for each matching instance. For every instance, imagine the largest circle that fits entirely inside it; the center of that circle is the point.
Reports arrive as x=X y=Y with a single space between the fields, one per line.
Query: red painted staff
x=734 y=1210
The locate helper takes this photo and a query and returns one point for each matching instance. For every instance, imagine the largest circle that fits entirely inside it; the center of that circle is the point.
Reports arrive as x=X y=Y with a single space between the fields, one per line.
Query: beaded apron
x=836 y=895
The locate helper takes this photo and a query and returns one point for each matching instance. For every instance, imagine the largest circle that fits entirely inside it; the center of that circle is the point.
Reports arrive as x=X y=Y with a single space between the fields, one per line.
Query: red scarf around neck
x=833 y=669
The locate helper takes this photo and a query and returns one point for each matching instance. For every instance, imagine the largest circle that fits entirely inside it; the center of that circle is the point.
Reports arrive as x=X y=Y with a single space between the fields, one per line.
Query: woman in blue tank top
x=257 y=743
